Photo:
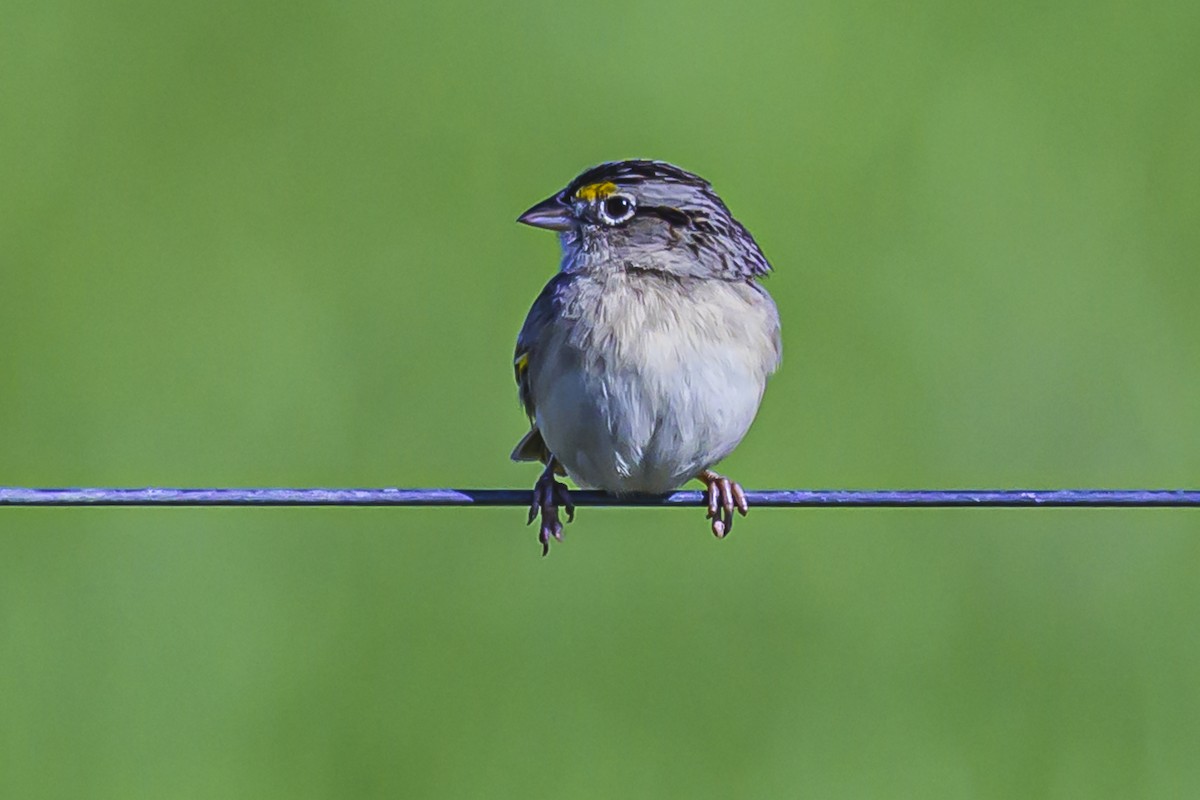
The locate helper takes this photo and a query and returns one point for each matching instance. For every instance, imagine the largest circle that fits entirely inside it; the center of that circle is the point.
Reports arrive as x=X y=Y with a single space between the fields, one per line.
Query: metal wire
x=782 y=498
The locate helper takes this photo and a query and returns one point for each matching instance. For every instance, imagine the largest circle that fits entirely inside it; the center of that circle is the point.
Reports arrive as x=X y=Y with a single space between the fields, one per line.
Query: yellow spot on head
x=595 y=191
x=521 y=362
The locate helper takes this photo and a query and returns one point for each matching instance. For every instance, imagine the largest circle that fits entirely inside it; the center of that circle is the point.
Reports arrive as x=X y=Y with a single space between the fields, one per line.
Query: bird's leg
x=723 y=497
x=548 y=496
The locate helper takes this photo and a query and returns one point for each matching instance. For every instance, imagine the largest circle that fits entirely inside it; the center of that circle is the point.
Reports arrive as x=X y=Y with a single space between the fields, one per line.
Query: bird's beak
x=552 y=214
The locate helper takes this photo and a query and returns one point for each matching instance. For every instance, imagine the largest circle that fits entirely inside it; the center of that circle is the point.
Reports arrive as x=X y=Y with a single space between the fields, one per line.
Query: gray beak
x=552 y=214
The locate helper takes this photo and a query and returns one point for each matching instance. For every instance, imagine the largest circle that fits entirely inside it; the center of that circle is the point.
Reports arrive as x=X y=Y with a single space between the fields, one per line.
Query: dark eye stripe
x=671 y=216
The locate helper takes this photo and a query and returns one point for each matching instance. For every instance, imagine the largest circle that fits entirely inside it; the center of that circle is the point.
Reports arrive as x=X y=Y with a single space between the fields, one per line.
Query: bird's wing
x=532 y=448
x=541 y=314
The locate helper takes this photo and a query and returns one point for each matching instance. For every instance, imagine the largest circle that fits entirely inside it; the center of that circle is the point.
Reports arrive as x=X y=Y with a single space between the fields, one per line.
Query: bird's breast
x=647 y=379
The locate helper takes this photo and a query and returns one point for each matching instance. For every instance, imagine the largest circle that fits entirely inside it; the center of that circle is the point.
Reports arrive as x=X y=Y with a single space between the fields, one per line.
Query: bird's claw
x=548 y=497
x=724 y=497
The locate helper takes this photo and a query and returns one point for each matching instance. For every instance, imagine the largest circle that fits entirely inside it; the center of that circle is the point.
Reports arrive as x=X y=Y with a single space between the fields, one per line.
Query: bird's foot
x=548 y=496
x=723 y=497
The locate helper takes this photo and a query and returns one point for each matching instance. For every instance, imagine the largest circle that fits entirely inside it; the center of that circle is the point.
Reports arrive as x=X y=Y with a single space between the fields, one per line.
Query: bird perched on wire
x=643 y=361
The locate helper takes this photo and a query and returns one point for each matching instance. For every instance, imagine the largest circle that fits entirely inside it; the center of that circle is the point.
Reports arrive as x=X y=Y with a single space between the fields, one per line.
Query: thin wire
x=783 y=498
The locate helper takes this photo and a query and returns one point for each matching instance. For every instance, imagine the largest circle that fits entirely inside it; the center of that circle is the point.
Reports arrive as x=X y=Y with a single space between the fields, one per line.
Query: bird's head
x=647 y=215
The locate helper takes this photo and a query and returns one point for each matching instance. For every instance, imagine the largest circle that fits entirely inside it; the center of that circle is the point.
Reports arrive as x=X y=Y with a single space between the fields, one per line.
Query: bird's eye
x=618 y=208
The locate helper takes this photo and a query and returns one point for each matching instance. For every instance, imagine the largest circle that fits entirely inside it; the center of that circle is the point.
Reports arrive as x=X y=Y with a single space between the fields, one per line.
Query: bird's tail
x=533 y=448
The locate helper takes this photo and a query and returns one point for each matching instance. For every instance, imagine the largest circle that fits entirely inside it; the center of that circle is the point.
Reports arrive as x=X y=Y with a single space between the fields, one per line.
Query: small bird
x=643 y=361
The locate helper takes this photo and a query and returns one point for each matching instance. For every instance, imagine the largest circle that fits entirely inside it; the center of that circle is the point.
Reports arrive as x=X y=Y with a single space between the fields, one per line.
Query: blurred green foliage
x=255 y=244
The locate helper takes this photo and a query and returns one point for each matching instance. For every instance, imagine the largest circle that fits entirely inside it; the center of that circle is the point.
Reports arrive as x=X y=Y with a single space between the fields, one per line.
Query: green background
x=273 y=244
